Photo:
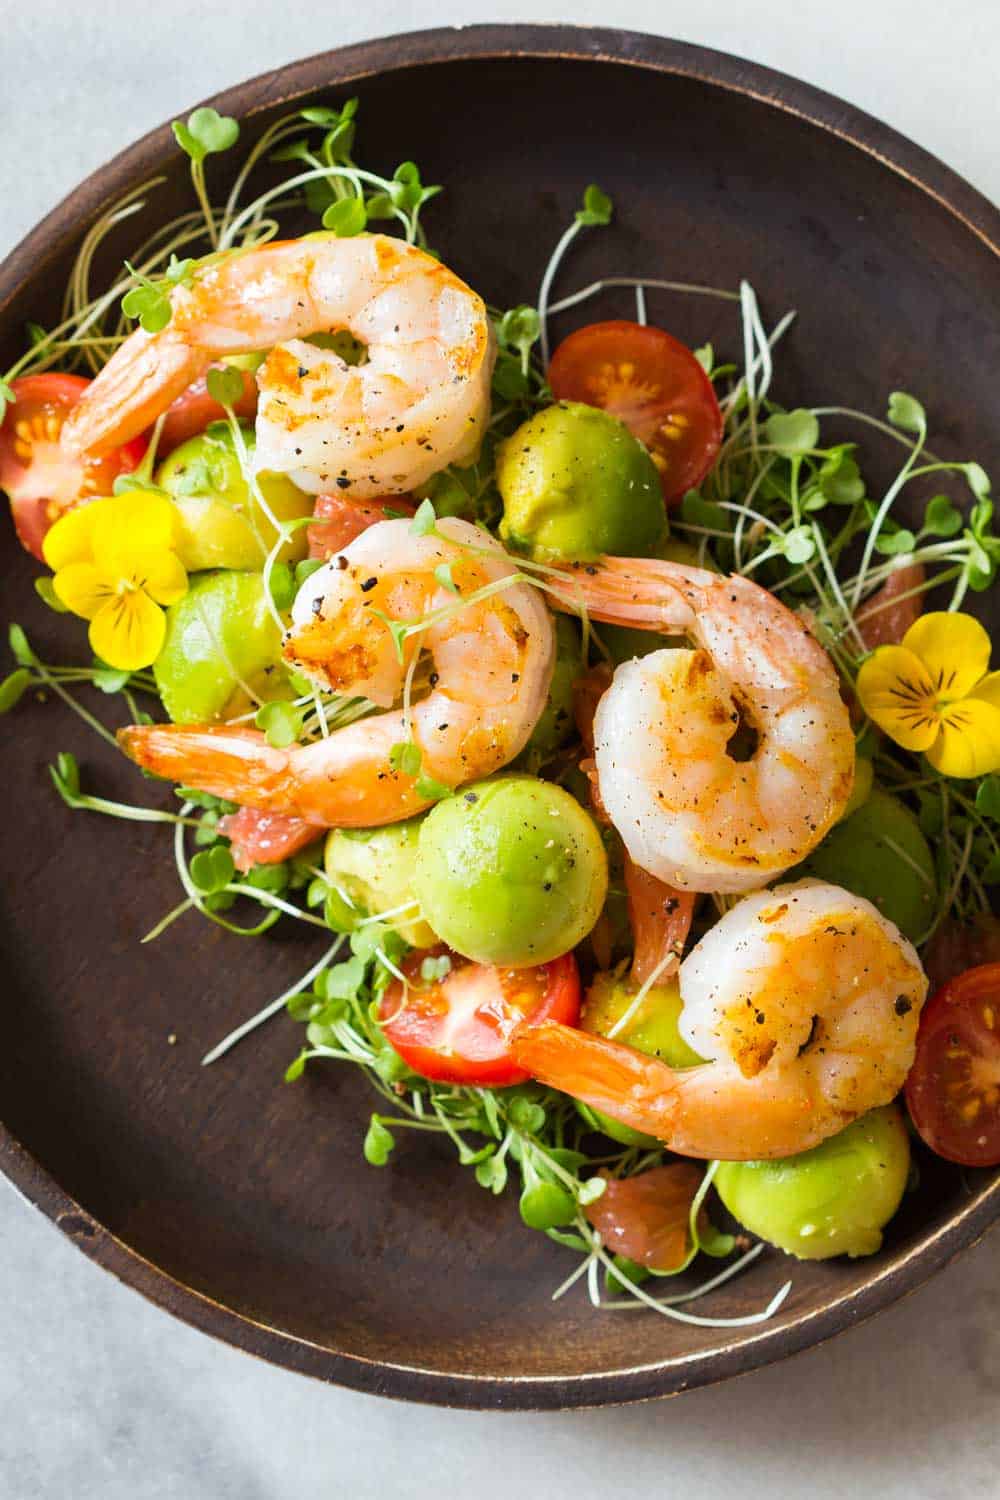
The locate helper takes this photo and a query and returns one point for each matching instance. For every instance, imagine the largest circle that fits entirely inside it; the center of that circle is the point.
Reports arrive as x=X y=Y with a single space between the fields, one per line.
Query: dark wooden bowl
x=242 y=1205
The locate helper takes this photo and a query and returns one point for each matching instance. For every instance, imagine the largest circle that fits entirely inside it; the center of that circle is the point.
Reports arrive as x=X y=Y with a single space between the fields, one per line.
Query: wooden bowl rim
x=336 y=68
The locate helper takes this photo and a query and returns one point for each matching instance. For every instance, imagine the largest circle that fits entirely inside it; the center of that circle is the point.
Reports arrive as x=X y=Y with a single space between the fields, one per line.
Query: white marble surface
x=104 y=1396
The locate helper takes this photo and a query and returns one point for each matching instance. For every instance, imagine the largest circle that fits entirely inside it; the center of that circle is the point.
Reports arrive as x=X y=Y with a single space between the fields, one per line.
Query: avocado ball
x=511 y=871
x=223 y=525
x=556 y=724
x=862 y=853
x=576 y=483
x=652 y=1029
x=221 y=639
x=832 y=1200
x=375 y=868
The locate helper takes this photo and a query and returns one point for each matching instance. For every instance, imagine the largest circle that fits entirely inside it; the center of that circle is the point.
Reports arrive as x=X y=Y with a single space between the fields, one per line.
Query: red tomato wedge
x=266 y=838
x=191 y=413
x=40 y=479
x=653 y=384
x=953 y=1091
x=647 y=1217
x=339 y=520
x=458 y=1029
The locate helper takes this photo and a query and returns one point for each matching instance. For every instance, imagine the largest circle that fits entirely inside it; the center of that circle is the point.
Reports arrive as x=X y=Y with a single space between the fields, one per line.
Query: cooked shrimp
x=492 y=664
x=803 y=1000
x=687 y=810
x=420 y=402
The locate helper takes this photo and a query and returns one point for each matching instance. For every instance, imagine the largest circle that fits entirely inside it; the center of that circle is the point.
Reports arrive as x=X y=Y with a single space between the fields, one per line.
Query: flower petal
x=897 y=693
x=82 y=588
x=161 y=574
x=953 y=647
x=69 y=540
x=127 y=632
x=133 y=524
x=988 y=689
x=969 y=742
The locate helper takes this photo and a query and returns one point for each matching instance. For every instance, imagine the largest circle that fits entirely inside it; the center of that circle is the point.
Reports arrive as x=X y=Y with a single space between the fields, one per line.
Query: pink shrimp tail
x=632 y=1088
x=139 y=381
x=237 y=764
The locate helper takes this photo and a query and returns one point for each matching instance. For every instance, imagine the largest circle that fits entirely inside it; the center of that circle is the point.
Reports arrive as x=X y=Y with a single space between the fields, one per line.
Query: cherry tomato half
x=40 y=479
x=192 y=411
x=458 y=1029
x=953 y=1091
x=653 y=384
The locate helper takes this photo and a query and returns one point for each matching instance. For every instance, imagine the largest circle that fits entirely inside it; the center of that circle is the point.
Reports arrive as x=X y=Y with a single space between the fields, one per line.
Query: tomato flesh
x=339 y=520
x=647 y=1217
x=458 y=1029
x=652 y=383
x=192 y=411
x=953 y=1091
x=40 y=479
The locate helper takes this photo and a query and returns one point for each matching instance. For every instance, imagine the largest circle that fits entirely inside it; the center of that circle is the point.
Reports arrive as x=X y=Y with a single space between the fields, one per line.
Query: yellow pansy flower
x=115 y=565
x=934 y=692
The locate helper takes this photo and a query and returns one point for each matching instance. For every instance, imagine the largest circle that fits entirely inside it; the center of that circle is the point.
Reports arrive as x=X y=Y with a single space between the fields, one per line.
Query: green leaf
x=150 y=305
x=66 y=776
x=36 y=334
x=519 y=329
x=424 y=519
x=378 y=1143
x=305 y=569
x=988 y=797
x=840 y=479
x=978 y=480
x=343 y=981
x=281 y=722
x=705 y=355
x=798 y=544
x=224 y=384
x=941 y=517
x=431 y=790
x=273 y=878
x=379 y=206
x=443 y=575
x=211 y=869
x=283 y=586
x=792 y=433
x=597 y=207
x=525 y=1114
x=625 y=1273
x=907 y=413
x=347 y=217
x=296 y=1069
x=7 y=397
x=592 y=1189
x=109 y=679
x=338 y=913
x=698 y=512
x=491 y=1173
x=48 y=595
x=205 y=133
x=546 y=1206
x=21 y=651
x=405 y=757
x=13 y=689
x=510 y=382
x=893 y=544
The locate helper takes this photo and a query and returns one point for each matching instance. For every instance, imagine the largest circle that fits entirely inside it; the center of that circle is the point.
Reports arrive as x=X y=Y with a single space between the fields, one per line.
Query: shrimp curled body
x=688 y=811
x=803 y=1000
x=492 y=645
x=419 y=402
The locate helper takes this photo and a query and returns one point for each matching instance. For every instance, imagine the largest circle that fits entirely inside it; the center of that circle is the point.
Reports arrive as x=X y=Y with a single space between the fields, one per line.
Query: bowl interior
x=253 y=1194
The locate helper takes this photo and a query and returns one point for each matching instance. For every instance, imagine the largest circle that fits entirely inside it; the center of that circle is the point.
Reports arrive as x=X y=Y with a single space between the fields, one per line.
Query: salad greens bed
x=787 y=503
